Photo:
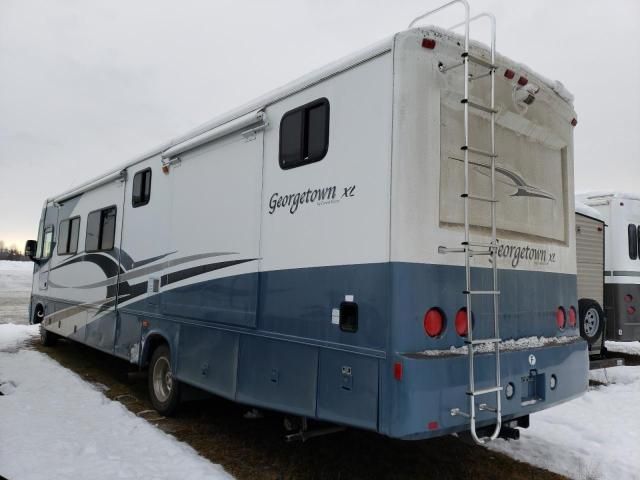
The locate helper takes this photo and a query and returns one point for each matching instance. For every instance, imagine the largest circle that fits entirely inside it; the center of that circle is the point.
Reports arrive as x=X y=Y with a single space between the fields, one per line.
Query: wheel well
x=151 y=343
x=38 y=314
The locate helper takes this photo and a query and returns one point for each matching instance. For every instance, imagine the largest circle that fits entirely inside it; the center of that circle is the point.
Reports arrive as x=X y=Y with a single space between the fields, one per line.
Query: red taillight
x=631 y=310
x=522 y=81
x=428 y=43
x=397 y=371
x=561 y=318
x=462 y=326
x=509 y=73
x=574 y=122
x=434 y=322
x=572 y=317
x=432 y=425
x=628 y=298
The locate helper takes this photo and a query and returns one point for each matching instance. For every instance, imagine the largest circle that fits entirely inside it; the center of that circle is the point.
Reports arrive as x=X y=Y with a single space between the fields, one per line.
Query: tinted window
x=291 y=139
x=304 y=134
x=141 y=188
x=633 y=241
x=63 y=237
x=317 y=129
x=68 y=236
x=101 y=229
x=91 y=242
x=74 y=234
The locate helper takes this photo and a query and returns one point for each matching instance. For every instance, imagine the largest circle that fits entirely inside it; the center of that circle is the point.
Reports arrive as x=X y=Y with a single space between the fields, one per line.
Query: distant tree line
x=11 y=252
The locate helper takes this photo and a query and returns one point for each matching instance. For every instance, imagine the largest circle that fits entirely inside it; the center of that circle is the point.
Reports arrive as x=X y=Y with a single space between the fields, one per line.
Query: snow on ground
x=15 y=287
x=54 y=425
x=629 y=348
x=596 y=436
x=13 y=336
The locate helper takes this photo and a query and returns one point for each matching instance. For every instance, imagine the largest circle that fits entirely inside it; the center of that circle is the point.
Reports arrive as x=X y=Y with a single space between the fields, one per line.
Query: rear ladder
x=468 y=246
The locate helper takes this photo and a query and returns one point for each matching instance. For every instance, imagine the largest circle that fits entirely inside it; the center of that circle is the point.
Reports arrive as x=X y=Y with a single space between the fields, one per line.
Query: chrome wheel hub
x=591 y=322
x=162 y=379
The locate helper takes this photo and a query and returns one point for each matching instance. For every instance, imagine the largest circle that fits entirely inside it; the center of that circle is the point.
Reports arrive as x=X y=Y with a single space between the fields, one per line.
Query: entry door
x=46 y=244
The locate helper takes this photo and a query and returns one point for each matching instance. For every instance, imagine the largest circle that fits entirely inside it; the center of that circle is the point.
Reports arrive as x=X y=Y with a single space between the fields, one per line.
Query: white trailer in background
x=621 y=212
x=590 y=232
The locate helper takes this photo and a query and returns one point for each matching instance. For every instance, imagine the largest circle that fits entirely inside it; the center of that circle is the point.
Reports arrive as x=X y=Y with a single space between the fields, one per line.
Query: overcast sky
x=85 y=85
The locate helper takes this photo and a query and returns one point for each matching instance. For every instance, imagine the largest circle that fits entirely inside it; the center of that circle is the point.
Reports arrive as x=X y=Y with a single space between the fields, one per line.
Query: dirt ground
x=251 y=449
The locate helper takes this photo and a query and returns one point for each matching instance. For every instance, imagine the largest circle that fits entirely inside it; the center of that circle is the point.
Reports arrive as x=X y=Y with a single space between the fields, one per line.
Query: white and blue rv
x=318 y=251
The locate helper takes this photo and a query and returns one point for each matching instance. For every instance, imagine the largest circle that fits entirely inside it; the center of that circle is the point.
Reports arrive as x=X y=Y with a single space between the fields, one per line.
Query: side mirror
x=30 y=249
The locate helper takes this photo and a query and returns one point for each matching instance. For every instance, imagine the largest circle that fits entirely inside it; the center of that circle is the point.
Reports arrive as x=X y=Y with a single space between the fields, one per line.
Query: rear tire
x=47 y=338
x=591 y=320
x=164 y=388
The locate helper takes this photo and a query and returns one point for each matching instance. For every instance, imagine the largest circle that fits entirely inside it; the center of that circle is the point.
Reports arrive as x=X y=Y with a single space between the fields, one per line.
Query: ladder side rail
x=467 y=10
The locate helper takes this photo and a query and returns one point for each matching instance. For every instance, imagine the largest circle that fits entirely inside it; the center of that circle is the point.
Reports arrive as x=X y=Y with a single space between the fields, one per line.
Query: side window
x=633 y=241
x=101 y=230
x=141 y=188
x=47 y=242
x=68 y=232
x=304 y=134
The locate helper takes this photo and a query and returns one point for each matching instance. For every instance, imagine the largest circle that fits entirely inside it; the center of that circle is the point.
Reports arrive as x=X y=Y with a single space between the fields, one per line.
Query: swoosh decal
x=136 y=273
x=109 y=266
x=523 y=189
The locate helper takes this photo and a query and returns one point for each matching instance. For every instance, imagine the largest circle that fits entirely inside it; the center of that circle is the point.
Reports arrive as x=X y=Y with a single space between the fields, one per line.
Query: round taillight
x=561 y=318
x=434 y=322
x=462 y=323
x=628 y=298
x=631 y=310
x=572 y=317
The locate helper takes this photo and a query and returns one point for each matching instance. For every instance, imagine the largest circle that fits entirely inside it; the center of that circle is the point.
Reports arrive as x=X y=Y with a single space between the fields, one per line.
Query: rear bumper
x=431 y=386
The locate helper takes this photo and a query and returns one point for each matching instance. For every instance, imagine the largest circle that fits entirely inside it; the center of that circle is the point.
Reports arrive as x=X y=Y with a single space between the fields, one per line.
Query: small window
x=68 y=232
x=47 y=242
x=304 y=134
x=101 y=230
x=141 y=188
x=633 y=241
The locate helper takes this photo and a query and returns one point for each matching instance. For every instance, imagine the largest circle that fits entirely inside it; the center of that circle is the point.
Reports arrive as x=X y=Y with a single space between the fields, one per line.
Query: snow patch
x=11 y=335
x=506 y=345
x=628 y=348
x=583 y=209
x=54 y=425
x=594 y=436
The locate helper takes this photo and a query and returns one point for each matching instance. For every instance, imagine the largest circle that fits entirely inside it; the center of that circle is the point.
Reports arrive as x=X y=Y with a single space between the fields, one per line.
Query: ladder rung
x=479 y=198
x=478 y=151
x=479 y=61
x=483 y=341
x=484 y=391
x=451 y=250
x=479 y=106
x=476 y=253
x=478 y=244
x=481 y=292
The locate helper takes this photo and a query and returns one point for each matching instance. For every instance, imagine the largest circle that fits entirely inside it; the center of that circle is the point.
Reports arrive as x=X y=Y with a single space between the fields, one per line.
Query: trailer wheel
x=164 y=389
x=591 y=320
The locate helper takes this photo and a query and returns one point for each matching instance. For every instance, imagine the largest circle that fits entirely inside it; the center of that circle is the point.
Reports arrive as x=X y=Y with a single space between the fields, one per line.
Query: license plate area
x=532 y=388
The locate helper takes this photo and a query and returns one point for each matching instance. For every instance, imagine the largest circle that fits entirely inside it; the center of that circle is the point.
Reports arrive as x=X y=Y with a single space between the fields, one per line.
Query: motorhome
x=386 y=243
x=590 y=234
x=621 y=212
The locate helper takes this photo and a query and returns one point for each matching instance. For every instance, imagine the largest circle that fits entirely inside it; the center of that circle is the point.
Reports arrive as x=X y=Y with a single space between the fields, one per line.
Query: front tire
x=591 y=320
x=164 y=388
